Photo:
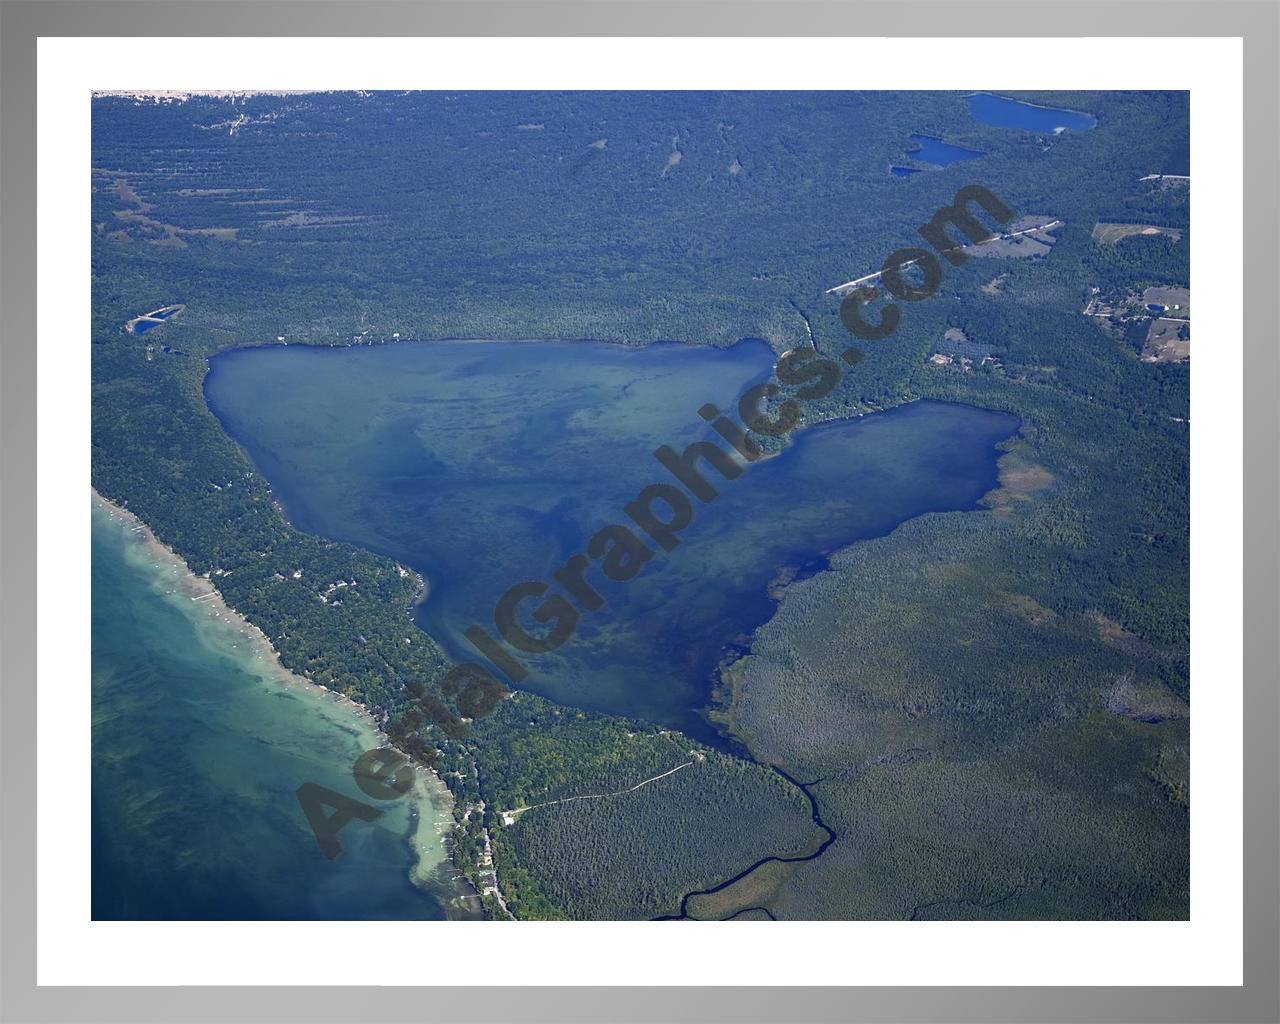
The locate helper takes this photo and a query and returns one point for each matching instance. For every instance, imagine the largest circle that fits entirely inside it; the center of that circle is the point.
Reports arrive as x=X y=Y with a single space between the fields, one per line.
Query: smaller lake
x=903 y=172
x=1002 y=112
x=932 y=150
x=142 y=324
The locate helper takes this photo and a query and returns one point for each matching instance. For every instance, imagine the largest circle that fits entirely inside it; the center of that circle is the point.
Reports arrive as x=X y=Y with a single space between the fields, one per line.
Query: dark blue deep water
x=1003 y=112
x=490 y=463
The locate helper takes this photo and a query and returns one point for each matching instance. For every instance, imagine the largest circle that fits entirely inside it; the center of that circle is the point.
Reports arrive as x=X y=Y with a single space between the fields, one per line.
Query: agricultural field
x=1168 y=341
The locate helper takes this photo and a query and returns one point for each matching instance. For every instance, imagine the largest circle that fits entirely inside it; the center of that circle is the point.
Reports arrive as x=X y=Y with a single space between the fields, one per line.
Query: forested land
x=622 y=823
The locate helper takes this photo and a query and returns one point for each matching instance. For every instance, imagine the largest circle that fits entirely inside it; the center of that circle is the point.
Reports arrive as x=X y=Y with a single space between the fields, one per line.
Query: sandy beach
x=431 y=807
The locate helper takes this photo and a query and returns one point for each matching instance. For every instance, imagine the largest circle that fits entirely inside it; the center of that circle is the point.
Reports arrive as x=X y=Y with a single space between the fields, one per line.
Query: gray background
x=1257 y=21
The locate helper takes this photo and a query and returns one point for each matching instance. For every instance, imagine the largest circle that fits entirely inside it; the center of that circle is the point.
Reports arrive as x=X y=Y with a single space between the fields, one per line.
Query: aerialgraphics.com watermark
x=659 y=512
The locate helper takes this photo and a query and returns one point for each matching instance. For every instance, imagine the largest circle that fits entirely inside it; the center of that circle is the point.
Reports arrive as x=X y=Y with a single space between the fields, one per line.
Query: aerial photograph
x=645 y=505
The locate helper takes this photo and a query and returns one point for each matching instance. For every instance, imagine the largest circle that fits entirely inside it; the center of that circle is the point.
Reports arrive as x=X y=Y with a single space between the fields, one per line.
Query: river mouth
x=485 y=464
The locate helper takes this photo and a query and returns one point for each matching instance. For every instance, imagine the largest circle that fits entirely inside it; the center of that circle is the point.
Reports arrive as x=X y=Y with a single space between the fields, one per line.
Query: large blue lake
x=483 y=464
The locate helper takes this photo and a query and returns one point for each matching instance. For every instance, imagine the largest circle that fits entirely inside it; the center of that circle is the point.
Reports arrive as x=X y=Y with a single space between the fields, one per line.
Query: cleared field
x=1032 y=235
x=1109 y=234
x=993 y=286
x=1168 y=341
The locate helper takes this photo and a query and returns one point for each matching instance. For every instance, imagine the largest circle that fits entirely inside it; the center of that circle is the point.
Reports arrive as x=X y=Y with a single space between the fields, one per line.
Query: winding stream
x=817 y=820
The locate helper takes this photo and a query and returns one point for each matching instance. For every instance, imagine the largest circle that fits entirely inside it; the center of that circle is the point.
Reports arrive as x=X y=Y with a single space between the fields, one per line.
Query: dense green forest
x=622 y=820
x=995 y=703
x=635 y=854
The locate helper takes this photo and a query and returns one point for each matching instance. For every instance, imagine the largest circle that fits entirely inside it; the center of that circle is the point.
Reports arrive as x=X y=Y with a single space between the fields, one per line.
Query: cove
x=484 y=464
x=198 y=747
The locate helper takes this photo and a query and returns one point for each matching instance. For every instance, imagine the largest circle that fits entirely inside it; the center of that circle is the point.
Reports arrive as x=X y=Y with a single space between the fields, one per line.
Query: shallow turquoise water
x=486 y=464
x=198 y=747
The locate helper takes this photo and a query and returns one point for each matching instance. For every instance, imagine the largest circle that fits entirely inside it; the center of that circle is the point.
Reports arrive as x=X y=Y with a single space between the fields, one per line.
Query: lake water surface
x=483 y=464
x=198 y=747
x=933 y=150
x=1003 y=112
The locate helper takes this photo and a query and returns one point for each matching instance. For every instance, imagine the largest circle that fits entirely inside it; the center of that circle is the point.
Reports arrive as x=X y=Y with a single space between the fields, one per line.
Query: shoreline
x=430 y=800
x=200 y=588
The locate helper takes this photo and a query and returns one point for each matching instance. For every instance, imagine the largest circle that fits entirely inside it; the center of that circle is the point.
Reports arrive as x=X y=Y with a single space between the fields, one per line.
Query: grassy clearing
x=1110 y=234
x=1168 y=341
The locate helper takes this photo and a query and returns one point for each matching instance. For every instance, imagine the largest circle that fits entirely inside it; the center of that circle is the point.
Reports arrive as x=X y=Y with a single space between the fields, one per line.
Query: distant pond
x=157 y=317
x=484 y=464
x=932 y=150
x=1003 y=112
